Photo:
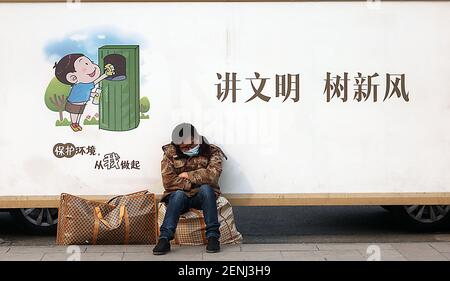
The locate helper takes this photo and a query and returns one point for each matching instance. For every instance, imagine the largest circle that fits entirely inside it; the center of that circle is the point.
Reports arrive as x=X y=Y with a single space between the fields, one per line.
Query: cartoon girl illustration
x=83 y=75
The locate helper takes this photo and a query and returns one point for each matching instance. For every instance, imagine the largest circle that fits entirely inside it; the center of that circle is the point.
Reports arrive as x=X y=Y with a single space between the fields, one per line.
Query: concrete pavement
x=431 y=251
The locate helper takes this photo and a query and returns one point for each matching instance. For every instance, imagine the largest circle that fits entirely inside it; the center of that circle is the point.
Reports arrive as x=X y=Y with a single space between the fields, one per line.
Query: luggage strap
x=98 y=217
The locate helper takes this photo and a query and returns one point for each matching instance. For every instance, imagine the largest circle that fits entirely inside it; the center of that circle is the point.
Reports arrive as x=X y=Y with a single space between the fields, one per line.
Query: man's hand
x=184 y=175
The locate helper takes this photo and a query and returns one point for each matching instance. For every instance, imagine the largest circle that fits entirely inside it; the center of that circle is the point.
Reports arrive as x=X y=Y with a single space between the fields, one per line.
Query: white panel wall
x=274 y=147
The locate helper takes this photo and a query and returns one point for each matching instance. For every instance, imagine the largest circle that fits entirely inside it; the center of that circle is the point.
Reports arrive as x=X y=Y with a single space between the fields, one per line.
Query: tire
x=423 y=217
x=37 y=221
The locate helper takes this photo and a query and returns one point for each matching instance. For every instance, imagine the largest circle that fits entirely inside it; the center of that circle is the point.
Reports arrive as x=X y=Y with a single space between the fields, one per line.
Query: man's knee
x=178 y=195
x=207 y=190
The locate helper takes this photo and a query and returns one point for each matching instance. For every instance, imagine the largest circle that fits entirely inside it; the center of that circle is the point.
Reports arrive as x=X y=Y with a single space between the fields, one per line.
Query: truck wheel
x=40 y=221
x=423 y=217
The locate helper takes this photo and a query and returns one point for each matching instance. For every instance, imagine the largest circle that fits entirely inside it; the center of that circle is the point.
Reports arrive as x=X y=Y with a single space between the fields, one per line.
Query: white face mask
x=193 y=151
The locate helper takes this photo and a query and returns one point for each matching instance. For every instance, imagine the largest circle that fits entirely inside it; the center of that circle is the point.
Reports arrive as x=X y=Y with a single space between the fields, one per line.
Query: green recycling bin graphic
x=119 y=104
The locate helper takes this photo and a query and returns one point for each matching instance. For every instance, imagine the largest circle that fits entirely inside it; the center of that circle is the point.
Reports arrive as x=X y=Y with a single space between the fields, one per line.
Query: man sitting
x=190 y=170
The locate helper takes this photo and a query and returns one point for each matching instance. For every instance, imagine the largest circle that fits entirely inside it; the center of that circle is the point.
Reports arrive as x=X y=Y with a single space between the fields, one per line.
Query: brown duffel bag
x=125 y=219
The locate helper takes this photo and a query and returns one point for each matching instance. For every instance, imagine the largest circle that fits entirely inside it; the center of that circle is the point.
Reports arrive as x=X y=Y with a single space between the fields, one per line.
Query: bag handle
x=98 y=217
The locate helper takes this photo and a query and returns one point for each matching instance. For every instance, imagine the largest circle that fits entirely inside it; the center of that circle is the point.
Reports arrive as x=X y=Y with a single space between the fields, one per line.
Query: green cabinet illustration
x=119 y=107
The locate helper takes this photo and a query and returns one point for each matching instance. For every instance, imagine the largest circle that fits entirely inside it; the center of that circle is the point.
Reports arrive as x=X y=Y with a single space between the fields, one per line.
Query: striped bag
x=191 y=228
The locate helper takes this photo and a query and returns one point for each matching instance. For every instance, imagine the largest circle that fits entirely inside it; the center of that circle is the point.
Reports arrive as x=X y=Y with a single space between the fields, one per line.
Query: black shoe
x=162 y=247
x=213 y=245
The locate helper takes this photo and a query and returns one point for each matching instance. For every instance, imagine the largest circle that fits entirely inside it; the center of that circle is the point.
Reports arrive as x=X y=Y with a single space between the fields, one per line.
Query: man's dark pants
x=179 y=203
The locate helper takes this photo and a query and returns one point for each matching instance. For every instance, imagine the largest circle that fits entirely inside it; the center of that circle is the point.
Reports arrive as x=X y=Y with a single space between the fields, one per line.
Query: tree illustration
x=144 y=105
x=56 y=96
